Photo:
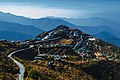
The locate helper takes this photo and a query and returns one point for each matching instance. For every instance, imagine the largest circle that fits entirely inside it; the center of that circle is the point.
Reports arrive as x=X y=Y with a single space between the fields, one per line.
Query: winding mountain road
x=78 y=42
x=21 y=67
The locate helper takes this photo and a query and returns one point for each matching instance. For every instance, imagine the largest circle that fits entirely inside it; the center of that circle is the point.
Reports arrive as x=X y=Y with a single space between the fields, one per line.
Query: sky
x=63 y=8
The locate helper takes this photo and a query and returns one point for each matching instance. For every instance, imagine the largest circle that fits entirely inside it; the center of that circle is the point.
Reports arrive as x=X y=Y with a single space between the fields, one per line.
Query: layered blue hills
x=15 y=27
x=32 y=27
x=9 y=31
x=13 y=36
x=96 y=29
x=108 y=37
x=88 y=25
x=41 y=23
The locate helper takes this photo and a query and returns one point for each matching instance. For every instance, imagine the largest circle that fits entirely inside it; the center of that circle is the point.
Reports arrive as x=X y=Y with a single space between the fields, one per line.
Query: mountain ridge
x=39 y=23
x=15 y=27
x=79 y=41
x=13 y=36
x=106 y=36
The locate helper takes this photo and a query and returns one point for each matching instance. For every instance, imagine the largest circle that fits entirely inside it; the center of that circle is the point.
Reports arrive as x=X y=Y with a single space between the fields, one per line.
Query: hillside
x=63 y=53
x=8 y=70
x=80 y=40
x=68 y=54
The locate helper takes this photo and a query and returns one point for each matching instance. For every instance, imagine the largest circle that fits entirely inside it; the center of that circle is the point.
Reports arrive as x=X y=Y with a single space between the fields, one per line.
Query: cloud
x=39 y=11
x=63 y=8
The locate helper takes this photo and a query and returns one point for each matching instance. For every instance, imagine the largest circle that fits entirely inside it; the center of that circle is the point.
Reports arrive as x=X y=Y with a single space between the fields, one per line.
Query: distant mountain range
x=92 y=21
x=96 y=29
x=42 y=23
x=89 y=25
x=32 y=27
x=15 y=27
x=106 y=36
x=26 y=31
x=13 y=36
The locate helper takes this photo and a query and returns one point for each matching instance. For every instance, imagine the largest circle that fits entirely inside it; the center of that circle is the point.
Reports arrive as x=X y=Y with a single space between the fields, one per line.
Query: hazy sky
x=63 y=8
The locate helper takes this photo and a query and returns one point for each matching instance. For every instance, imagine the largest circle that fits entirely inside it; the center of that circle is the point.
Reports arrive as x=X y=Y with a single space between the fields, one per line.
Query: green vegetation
x=64 y=70
x=84 y=57
x=8 y=70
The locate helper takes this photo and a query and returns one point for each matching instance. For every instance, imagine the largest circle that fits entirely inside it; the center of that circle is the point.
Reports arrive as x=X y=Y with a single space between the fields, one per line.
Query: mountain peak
x=78 y=41
x=61 y=27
